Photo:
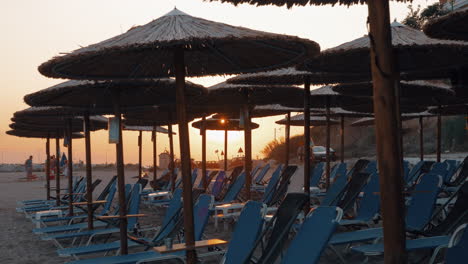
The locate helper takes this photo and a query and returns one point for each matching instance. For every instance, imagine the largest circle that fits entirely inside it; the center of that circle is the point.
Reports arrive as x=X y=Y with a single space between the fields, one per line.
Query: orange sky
x=35 y=31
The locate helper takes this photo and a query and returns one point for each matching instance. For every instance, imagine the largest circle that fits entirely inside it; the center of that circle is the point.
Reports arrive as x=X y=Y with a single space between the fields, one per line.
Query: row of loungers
x=351 y=203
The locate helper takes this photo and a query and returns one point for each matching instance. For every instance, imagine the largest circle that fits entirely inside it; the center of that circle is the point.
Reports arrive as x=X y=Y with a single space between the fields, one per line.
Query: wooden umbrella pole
x=179 y=64
x=385 y=82
x=225 y=149
x=286 y=136
x=48 y=166
x=439 y=134
x=120 y=175
x=171 y=156
x=248 y=152
x=57 y=169
x=89 y=175
x=70 y=167
x=204 y=176
x=307 y=140
x=327 y=150
x=140 y=153
x=421 y=138
x=153 y=136
x=342 y=138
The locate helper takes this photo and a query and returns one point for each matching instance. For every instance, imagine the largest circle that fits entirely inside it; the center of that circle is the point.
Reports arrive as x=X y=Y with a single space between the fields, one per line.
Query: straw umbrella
x=112 y=97
x=59 y=117
x=47 y=136
x=451 y=26
x=181 y=45
x=224 y=124
x=245 y=97
x=385 y=74
x=140 y=129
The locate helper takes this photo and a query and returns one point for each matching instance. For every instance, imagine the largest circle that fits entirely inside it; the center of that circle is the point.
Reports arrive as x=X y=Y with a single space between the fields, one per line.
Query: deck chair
x=132 y=222
x=418 y=215
x=255 y=171
x=218 y=184
x=339 y=176
x=105 y=210
x=460 y=175
x=437 y=237
x=336 y=170
x=234 y=190
x=312 y=238
x=209 y=176
x=369 y=204
x=228 y=181
x=277 y=229
x=29 y=211
x=76 y=182
x=201 y=215
x=346 y=199
x=166 y=229
x=458 y=244
x=248 y=227
x=78 y=226
x=282 y=188
x=316 y=174
x=231 y=210
x=259 y=179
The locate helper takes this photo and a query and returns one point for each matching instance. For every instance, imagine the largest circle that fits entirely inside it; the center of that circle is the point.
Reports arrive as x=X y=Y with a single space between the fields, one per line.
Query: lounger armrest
x=118 y=216
x=139 y=240
x=93 y=202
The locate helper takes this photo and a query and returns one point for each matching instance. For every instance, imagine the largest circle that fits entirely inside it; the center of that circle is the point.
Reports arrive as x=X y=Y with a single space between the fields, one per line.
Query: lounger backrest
x=422 y=203
x=316 y=174
x=235 y=189
x=280 y=225
x=194 y=175
x=282 y=188
x=107 y=189
x=271 y=187
x=262 y=174
x=248 y=228
x=312 y=237
x=460 y=175
x=335 y=189
x=109 y=198
x=414 y=172
x=218 y=185
x=255 y=171
x=200 y=183
x=171 y=217
x=128 y=191
x=405 y=169
x=142 y=182
x=352 y=190
x=440 y=168
x=371 y=167
x=134 y=206
x=369 y=205
x=457 y=215
x=201 y=211
x=337 y=171
x=457 y=250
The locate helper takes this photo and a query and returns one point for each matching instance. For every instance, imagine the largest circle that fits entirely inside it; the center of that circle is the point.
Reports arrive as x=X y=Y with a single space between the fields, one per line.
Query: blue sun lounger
x=167 y=227
x=78 y=226
x=419 y=213
x=201 y=215
x=312 y=238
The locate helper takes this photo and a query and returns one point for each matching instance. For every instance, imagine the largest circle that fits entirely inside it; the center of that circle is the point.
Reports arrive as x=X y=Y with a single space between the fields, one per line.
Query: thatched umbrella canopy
x=60 y=120
x=290 y=3
x=385 y=74
x=180 y=45
x=451 y=26
x=224 y=124
x=39 y=134
x=112 y=97
x=418 y=89
x=298 y=120
x=273 y=109
x=448 y=110
x=419 y=56
x=96 y=96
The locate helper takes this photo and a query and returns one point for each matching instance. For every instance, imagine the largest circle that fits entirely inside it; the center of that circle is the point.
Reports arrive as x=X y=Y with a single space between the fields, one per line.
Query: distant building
x=164 y=160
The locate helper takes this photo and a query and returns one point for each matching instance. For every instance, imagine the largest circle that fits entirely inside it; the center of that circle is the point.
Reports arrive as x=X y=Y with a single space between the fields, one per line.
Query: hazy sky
x=35 y=31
